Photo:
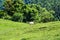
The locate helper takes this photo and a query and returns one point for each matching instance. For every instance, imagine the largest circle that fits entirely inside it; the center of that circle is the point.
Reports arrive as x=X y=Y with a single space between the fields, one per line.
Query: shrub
x=1 y=13
x=46 y=16
x=7 y=17
x=17 y=17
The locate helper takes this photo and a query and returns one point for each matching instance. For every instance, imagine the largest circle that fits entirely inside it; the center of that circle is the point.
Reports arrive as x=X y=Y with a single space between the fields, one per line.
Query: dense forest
x=31 y=10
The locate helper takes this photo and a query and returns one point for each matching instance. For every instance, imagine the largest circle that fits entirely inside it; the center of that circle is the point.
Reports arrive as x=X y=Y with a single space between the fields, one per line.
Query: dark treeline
x=31 y=10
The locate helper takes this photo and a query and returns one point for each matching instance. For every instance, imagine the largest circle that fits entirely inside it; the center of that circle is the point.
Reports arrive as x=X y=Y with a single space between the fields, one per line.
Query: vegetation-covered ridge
x=10 y=30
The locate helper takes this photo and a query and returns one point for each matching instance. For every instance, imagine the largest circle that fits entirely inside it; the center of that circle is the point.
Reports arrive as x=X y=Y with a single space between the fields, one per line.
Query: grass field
x=22 y=31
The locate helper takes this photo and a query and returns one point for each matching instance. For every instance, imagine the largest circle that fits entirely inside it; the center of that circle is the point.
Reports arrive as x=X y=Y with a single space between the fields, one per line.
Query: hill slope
x=21 y=31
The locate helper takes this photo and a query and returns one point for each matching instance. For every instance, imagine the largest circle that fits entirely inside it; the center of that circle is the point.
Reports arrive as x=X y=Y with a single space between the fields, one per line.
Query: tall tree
x=12 y=6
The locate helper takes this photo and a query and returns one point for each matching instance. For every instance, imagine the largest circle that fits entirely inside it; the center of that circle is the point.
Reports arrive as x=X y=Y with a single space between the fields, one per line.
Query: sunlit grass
x=10 y=30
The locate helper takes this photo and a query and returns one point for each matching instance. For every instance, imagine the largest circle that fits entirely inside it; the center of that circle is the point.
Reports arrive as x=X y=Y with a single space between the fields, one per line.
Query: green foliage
x=9 y=7
x=2 y=13
x=13 y=6
x=18 y=17
x=49 y=5
x=46 y=16
x=7 y=17
x=30 y=13
x=27 y=12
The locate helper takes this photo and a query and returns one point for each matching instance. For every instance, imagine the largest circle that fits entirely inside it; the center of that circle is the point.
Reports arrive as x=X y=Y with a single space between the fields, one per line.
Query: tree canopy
x=32 y=10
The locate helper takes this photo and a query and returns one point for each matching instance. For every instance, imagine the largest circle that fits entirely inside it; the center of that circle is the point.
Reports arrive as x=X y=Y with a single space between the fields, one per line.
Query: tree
x=13 y=6
x=46 y=16
x=49 y=5
x=2 y=13
x=30 y=12
x=27 y=12
x=18 y=17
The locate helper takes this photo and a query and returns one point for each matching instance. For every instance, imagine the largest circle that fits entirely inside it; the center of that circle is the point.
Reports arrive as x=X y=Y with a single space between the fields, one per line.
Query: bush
x=17 y=17
x=7 y=17
x=46 y=16
x=1 y=14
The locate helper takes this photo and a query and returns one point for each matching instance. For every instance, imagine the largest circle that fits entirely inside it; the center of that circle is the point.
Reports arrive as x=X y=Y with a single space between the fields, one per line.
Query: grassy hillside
x=22 y=31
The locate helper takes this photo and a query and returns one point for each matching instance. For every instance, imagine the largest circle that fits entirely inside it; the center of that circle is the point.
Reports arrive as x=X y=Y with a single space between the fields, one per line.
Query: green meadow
x=10 y=30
